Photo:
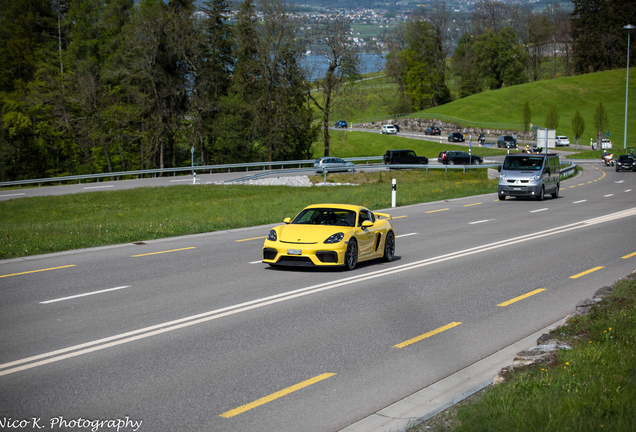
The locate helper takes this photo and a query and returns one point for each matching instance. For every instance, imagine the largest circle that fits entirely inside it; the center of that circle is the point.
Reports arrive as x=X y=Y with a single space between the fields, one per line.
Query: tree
x=490 y=15
x=499 y=59
x=526 y=116
x=552 y=118
x=599 y=41
x=578 y=127
x=340 y=56
x=601 y=122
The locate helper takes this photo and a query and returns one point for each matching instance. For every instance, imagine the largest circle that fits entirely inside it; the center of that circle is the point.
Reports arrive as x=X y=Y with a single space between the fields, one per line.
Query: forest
x=97 y=86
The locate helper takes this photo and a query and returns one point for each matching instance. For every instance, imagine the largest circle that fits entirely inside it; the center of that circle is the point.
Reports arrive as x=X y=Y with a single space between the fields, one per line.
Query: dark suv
x=433 y=130
x=458 y=157
x=456 y=137
x=406 y=157
x=507 y=141
x=626 y=162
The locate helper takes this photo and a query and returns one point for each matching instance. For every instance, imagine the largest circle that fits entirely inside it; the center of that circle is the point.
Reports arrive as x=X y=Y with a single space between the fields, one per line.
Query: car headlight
x=502 y=177
x=534 y=179
x=272 y=236
x=336 y=238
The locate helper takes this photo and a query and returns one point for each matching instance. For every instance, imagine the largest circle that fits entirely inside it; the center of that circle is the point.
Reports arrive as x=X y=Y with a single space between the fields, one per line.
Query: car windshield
x=326 y=216
x=626 y=157
x=508 y=138
x=523 y=163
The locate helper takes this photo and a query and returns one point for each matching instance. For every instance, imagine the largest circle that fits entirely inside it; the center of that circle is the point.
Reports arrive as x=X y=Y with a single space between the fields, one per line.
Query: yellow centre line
x=586 y=272
x=155 y=253
x=629 y=256
x=398 y=217
x=254 y=238
x=468 y=205
x=426 y=335
x=521 y=297
x=434 y=211
x=36 y=271
x=276 y=395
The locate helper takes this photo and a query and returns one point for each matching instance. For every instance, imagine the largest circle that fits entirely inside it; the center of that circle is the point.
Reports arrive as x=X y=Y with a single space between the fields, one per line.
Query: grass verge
x=590 y=387
x=38 y=225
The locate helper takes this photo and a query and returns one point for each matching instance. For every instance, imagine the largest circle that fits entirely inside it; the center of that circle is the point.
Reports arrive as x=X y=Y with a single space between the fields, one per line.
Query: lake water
x=368 y=63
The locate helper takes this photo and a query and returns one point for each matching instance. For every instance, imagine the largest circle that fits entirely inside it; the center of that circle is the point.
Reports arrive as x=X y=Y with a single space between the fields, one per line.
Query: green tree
x=601 y=122
x=578 y=126
x=600 y=42
x=500 y=59
x=552 y=118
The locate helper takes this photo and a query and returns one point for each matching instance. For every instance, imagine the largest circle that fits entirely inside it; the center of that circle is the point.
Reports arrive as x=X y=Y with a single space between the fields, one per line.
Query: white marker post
x=394 y=193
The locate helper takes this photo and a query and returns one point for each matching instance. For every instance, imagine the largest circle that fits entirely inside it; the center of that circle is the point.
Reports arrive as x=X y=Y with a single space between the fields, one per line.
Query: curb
x=431 y=400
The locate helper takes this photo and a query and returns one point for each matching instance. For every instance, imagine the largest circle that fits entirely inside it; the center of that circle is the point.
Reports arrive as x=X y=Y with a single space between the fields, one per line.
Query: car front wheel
x=351 y=255
x=389 y=247
x=476 y=162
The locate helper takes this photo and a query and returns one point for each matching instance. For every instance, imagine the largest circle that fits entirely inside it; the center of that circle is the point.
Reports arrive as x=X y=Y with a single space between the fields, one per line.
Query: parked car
x=606 y=144
x=456 y=137
x=331 y=164
x=433 y=130
x=562 y=141
x=453 y=157
x=507 y=141
x=341 y=124
x=626 y=162
x=389 y=129
x=406 y=157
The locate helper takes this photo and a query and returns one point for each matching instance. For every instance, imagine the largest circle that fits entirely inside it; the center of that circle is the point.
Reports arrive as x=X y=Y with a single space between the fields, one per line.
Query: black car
x=507 y=141
x=458 y=157
x=405 y=157
x=625 y=162
x=456 y=137
x=433 y=130
x=341 y=124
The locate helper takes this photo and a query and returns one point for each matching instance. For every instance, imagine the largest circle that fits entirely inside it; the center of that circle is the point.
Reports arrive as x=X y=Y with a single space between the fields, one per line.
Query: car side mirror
x=499 y=168
x=287 y=220
x=367 y=224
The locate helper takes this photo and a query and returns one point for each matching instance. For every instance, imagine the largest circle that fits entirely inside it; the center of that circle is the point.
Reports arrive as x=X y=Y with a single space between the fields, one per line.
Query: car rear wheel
x=556 y=192
x=351 y=255
x=389 y=247
x=451 y=162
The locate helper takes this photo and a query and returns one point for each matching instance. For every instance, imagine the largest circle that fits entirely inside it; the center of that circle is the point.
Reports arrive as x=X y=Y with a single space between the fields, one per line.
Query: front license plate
x=515 y=189
x=294 y=252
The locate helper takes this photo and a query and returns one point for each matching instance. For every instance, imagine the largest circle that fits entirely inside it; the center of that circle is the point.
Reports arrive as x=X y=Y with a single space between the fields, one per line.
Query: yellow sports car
x=330 y=235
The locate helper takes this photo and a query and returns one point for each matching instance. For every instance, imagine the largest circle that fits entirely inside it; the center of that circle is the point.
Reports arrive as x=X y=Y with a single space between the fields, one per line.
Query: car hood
x=308 y=234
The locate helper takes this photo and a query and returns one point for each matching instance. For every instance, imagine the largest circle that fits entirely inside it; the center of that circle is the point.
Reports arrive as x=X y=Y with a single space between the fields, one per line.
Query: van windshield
x=523 y=163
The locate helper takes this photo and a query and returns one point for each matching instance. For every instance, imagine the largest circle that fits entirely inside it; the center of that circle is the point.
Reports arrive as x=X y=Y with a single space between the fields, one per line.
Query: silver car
x=331 y=164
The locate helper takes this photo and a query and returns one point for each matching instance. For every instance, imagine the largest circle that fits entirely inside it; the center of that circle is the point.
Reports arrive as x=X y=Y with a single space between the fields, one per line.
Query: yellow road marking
x=253 y=238
x=36 y=271
x=521 y=297
x=586 y=272
x=434 y=211
x=629 y=256
x=276 y=395
x=155 y=253
x=468 y=205
x=399 y=217
x=427 y=335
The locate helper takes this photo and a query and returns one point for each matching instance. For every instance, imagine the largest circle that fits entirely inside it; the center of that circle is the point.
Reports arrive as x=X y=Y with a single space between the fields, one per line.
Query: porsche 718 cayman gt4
x=331 y=235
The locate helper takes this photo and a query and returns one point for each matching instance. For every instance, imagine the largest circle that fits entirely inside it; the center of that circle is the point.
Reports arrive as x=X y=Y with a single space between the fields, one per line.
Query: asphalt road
x=196 y=334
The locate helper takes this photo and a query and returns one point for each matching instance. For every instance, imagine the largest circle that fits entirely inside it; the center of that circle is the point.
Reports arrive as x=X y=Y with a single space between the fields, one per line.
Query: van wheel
x=541 y=194
x=556 y=192
x=502 y=197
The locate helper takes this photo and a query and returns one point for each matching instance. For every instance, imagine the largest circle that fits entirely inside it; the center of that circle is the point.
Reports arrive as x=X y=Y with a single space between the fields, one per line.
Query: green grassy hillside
x=568 y=94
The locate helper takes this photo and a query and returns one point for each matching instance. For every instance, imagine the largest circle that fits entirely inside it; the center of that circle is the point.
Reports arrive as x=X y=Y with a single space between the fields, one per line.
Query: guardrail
x=174 y=171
